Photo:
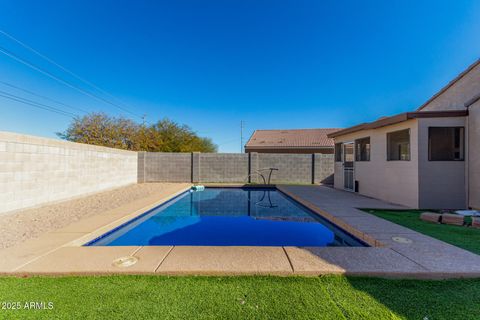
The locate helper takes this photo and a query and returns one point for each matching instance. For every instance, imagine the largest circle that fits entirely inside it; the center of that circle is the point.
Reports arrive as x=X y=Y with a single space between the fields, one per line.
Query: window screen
x=338 y=152
x=446 y=143
x=348 y=153
x=398 y=145
x=362 y=149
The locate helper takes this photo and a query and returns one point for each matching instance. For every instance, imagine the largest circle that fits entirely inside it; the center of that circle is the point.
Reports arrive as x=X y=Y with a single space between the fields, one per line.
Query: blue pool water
x=229 y=217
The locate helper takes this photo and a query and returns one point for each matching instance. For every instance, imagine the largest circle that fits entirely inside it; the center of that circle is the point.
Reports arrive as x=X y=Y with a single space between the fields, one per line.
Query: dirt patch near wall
x=21 y=225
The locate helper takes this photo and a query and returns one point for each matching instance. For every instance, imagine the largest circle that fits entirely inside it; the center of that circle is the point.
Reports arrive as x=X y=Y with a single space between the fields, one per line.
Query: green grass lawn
x=463 y=237
x=157 y=297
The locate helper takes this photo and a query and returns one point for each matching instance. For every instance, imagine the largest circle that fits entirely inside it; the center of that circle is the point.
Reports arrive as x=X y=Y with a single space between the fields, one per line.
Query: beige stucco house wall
x=442 y=184
x=391 y=181
x=421 y=183
x=417 y=183
x=474 y=155
x=454 y=96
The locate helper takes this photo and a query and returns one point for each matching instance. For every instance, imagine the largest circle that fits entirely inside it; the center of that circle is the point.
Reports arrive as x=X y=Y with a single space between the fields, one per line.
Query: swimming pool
x=228 y=217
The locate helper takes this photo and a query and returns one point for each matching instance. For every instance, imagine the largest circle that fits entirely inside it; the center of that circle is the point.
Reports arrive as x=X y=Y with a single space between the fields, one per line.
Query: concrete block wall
x=253 y=166
x=195 y=167
x=35 y=171
x=234 y=167
x=223 y=167
x=167 y=167
x=292 y=168
x=141 y=159
x=323 y=168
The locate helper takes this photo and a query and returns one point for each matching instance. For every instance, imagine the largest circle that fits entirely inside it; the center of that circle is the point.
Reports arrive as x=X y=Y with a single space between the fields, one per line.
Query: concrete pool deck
x=60 y=252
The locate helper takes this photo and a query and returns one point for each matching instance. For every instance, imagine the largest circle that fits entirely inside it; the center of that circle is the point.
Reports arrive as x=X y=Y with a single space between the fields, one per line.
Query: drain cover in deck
x=402 y=240
x=124 y=262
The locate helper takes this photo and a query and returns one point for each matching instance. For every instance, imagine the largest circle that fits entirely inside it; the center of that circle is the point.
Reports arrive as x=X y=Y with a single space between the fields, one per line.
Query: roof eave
x=472 y=101
x=358 y=127
x=289 y=147
x=402 y=117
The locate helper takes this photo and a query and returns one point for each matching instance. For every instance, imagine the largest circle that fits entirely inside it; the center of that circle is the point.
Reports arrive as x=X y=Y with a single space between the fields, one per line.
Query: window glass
x=398 y=145
x=348 y=153
x=338 y=152
x=362 y=149
x=446 y=143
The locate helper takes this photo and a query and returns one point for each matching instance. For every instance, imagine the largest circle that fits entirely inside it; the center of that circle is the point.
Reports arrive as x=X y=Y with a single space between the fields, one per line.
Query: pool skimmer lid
x=125 y=262
x=402 y=240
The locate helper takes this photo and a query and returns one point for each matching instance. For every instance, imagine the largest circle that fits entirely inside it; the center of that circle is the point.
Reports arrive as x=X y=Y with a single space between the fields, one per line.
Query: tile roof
x=291 y=138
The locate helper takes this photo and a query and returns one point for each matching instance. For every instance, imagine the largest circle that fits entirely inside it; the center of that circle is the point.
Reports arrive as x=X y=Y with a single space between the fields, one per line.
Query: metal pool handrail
x=259 y=172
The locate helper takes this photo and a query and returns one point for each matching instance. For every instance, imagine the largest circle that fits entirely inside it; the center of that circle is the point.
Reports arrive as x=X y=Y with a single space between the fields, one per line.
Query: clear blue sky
x=210 y=64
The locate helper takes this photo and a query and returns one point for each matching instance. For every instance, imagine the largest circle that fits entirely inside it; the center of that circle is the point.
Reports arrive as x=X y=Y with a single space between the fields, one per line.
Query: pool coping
x=62 y=252
x=369 y=240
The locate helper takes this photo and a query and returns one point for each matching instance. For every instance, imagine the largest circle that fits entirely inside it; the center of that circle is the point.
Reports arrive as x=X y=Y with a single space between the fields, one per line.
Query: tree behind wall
x=118 y=132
